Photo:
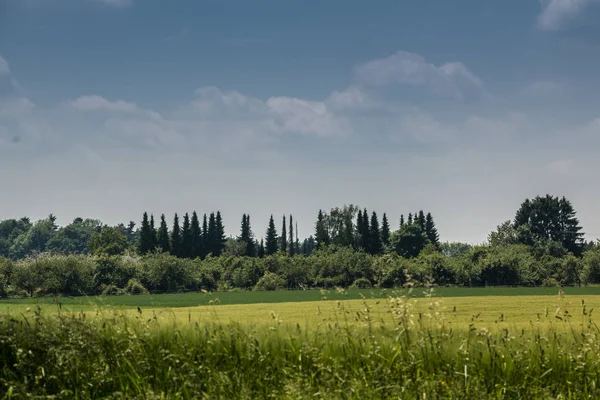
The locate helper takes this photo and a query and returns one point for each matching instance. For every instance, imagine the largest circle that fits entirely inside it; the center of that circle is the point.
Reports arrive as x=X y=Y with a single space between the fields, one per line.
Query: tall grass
x=115 y=355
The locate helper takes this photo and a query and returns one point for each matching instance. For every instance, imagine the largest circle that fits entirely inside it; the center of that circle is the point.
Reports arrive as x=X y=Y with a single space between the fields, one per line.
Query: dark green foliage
x=283 y=238
x=421 y=220
x=176 y=240
x=409 y=240
x=385 y=231
x=211 y=235
x=247 y=237
x=292 y=245
x=271 y=239
x=205 y=238
x=309 y=245
x=401 y=220
x=153 y=239
x=431 y=231
x=163 y=239
x=321 y=231
x=220 y=235
x=75 y=237
x=110 y=241
x=261 y=249
x=550 y=218
x=375 y=243
x=410 y=219
x=145 y=244
x=186 y=238
x=196 y=237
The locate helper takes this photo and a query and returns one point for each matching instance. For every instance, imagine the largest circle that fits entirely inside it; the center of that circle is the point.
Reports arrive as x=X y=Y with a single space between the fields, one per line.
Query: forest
x=542 y=245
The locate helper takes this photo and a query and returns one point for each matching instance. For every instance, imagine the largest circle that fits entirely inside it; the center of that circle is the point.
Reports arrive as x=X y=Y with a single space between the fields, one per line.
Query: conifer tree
x=283 y=236
x=375 y=236
x=431 y=231
x=359 y=229
x=410 y=219
x=385 y=230
x=261 y=249
x=164 y=241
x=220 y=238
x=401 y=220
x=153 y=239
x=176 y=246
x=421 y=220
x=247 y=237
x=144 y=245
x=204 y=243
x=196 y=233
x=211 y=236
x=186 y=237
x=291 y=246
x=366 y=232
x=271 y=239
x=321 y=234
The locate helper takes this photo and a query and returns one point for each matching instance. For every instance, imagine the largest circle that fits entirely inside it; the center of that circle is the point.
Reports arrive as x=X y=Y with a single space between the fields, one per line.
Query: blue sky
x=463 y=108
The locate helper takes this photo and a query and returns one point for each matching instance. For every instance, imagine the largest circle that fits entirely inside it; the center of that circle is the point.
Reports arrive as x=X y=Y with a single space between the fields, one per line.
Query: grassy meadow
x=526 y=343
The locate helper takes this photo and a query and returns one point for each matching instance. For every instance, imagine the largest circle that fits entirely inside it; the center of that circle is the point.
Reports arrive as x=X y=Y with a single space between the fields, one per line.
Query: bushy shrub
x=389 y=270
x=55 y=274
x=135 y=287
x=167 y=273
x=111 y=290
x=270 y=281
x=591 y=266
x=362 y=283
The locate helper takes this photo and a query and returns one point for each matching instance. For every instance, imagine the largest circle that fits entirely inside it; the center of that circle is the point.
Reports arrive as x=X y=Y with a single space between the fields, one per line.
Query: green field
x=194 y=299
x=537 y=345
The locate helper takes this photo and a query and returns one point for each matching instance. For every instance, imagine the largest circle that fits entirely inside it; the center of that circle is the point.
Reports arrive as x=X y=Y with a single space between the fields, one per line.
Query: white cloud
x=350 y=98
x=117 y=3
x=306 y=117
x=557 y=14
x=451 y=79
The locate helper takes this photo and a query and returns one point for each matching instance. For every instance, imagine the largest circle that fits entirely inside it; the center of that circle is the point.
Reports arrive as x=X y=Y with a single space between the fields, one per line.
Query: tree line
x=542 y=245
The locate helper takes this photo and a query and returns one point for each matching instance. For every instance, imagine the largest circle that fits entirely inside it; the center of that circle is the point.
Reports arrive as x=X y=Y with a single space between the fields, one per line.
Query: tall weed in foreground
x=419 y=356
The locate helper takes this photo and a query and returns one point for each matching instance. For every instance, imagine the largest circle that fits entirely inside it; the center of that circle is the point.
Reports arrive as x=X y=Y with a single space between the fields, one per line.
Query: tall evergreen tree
x=153 y=238
x=291 y=246
x=431 y=231
x=421 y=220
x=321 y=234
x=410 y=219
x=196 y=233
x=145 y=238
x=247 y=237
x=186 y=237
x=366 y=232
x=572 y=237
x=204 y=243
x=271 y=239
x=220 y=238
x=376 y=246
x=283 y=236
x=385 y=230
x=401 y=220
x=211 y=236
x=261 y=249
x=176 y=245
x=163 y=235
x=359 y=229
